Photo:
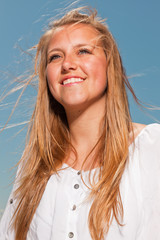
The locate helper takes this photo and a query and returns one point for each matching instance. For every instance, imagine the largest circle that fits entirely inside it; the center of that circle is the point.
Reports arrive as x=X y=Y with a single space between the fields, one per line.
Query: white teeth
x=72 y=80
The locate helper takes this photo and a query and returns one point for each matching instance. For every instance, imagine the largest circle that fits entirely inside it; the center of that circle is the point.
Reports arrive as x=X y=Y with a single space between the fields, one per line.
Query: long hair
x=49 y=139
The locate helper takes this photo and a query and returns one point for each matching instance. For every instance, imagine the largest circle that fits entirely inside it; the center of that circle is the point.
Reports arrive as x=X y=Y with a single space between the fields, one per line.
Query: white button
x=70 y=234
x=76 y=186
x=74 y=207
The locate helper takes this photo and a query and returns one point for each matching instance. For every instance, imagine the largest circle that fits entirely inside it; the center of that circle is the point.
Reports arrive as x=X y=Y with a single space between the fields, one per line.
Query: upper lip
x=70 y=76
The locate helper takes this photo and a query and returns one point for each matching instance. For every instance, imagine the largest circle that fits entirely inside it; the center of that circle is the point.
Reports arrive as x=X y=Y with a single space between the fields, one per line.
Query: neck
x=85 y=129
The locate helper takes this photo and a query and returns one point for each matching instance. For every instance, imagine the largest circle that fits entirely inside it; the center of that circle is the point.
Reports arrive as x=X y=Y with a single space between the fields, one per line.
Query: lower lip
x=71 y=84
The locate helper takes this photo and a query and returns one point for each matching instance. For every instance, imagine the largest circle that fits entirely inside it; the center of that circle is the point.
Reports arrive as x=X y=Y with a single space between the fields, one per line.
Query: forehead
x=74 y=34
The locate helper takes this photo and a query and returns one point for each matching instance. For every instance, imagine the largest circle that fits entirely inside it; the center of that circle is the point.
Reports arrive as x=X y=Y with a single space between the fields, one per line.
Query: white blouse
x=63 y=210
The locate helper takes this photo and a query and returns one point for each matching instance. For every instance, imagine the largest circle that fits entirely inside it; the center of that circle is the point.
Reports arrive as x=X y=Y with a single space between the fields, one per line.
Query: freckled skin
x=73 y=51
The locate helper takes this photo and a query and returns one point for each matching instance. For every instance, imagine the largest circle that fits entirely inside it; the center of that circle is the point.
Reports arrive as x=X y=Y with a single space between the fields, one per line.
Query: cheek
x=100 y=73
x=102 y=67
x=97 y=66
x=50 y=74
x=52 y=77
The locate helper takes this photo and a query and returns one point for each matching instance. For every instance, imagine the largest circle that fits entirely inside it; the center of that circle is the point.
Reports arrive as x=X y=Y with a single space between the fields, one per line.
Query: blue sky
x=135 y=26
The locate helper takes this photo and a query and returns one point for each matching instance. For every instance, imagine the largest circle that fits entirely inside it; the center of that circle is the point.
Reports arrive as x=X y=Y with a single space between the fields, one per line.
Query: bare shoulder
x=137 y=128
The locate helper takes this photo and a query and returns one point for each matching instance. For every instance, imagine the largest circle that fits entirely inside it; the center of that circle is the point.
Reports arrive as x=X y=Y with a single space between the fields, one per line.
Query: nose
x=69 y=63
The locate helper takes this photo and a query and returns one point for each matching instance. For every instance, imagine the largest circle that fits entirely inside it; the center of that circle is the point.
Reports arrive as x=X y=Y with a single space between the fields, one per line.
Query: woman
x=87 y=171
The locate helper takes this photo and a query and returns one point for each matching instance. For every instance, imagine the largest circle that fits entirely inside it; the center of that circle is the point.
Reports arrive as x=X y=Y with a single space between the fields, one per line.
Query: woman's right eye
x=54 y=57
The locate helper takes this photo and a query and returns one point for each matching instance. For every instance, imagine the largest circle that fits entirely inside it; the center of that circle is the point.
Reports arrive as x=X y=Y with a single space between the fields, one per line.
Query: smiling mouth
x=72 y=80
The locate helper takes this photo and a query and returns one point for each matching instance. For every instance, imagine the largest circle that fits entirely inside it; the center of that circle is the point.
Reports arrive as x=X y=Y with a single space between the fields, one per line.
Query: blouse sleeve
x=6 y=232
x=149 y=155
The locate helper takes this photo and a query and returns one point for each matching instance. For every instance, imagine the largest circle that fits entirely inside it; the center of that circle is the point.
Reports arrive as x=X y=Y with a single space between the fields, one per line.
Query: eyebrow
x=76 y=46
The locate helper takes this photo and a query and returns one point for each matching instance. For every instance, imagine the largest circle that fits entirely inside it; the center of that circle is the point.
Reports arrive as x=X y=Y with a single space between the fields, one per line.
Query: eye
x=54 y=57
x=84 y=51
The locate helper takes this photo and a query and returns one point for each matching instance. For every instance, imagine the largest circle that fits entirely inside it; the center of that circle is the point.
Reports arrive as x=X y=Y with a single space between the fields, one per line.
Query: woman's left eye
x=84 y=51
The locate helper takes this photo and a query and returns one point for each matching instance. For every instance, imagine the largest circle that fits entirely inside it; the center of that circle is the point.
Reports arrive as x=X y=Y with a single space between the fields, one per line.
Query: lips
x=70 y=80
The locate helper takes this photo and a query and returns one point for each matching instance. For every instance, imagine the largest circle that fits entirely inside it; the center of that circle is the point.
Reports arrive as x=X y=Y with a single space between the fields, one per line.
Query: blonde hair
x=48 y=137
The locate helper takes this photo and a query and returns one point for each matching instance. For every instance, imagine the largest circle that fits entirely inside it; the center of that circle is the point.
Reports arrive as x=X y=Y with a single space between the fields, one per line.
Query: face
x=76 y=66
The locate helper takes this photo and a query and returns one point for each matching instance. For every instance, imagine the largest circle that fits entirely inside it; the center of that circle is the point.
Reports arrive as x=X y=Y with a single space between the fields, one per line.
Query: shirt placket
x=75 y=195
